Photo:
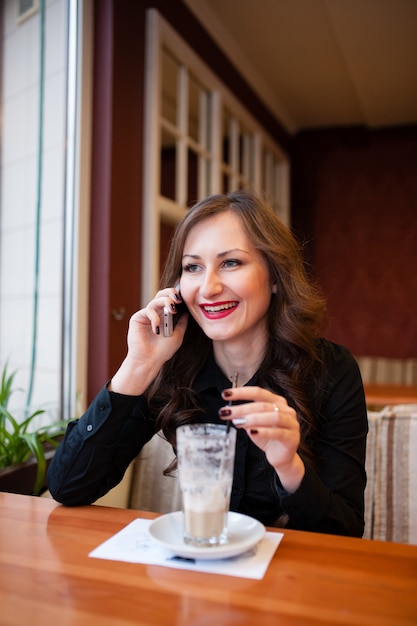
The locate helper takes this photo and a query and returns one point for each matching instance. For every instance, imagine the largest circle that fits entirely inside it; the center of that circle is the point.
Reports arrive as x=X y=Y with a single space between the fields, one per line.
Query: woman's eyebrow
x=219 y=255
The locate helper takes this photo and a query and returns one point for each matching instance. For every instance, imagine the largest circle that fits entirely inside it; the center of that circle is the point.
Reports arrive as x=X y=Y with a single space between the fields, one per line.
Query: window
x=199 y=140
x=44 y=205
x=185 y=155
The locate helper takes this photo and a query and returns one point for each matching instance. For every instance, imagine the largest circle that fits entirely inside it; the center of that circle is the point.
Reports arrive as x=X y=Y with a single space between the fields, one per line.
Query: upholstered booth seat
x=151 y=490
x=371 y=448
x=395 y=497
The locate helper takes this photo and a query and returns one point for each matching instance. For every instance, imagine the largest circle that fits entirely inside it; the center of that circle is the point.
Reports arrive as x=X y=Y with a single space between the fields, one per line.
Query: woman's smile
x=218 y=310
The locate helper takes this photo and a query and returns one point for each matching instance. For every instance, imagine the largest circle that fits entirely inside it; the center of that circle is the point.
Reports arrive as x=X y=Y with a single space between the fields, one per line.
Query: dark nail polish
x=177 y=297
x=224 y=412
x=226 y=393
x=173 y=307
x=157 y=330
x=253 y=431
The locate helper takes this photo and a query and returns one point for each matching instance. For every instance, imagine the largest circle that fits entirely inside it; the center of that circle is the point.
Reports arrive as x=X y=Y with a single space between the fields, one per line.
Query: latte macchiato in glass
x=206 y=454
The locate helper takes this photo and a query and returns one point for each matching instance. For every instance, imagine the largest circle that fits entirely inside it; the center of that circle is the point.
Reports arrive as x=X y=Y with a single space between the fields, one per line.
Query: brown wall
x=116 y=194
x=355 y=200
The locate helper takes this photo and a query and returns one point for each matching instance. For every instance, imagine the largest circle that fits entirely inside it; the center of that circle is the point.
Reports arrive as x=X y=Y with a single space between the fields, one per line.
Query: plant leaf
x=37 y=450
x=6 y=385
x=26 y=422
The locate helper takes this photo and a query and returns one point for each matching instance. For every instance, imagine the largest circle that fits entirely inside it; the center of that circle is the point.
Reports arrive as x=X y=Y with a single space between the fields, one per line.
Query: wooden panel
x=382 y=395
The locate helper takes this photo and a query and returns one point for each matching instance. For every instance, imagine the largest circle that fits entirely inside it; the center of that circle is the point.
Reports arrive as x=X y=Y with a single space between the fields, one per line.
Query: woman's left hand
x=272 y=425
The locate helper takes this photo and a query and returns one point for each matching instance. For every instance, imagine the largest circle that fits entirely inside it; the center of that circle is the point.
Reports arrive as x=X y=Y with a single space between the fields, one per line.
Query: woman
x=299 y=409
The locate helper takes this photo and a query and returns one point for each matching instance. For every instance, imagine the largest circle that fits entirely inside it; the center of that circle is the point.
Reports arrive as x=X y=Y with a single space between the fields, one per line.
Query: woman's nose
x=211 y=285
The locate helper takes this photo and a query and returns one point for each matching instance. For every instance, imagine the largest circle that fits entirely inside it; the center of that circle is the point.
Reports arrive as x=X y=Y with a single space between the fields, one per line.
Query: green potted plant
x=24 y=453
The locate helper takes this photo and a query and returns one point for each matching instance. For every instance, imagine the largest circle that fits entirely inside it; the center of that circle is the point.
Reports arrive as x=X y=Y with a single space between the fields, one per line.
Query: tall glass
x=206 y=454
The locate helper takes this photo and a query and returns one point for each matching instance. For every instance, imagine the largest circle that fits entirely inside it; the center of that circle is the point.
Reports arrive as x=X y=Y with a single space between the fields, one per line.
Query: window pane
x=192 y=182
x=199 y=177
x=169 y=87
x=199 y=113
x=206 y=120
x=166 y=232
x=194 y=96
x=226 y=183
x=205 y=166
x=168 y=165
x=246 y=154
x=226 y=142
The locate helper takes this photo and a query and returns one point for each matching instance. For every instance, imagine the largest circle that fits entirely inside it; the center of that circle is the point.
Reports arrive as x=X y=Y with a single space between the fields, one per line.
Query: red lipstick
x=218 y=310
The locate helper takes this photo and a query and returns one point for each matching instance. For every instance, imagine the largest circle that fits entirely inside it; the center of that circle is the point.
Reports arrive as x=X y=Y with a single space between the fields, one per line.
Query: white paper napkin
x=134 y=544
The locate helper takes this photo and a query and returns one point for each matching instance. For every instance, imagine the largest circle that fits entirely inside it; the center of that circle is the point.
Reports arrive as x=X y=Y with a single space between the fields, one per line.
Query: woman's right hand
x=148 y=348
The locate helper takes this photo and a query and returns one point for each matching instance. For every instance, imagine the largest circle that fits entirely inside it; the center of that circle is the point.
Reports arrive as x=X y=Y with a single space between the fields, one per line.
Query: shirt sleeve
x=330 y=498
x=98 y=448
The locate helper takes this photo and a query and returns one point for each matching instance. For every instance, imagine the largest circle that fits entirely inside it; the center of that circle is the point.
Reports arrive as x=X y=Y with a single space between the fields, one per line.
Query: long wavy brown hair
x=295 y=316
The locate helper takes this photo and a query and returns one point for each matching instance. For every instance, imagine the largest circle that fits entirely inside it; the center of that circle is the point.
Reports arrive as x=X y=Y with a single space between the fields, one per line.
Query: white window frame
x=160 y=34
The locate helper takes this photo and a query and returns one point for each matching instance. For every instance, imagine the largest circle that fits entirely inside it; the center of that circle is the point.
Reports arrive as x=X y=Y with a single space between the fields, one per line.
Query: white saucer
x=243 y=533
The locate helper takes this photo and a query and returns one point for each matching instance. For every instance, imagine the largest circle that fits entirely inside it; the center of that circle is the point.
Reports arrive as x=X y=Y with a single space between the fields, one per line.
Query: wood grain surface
x=46 y=577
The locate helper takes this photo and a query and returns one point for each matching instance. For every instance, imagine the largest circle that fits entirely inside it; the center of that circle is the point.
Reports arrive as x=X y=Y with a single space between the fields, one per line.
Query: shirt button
x=89 y=428
x=101 y=406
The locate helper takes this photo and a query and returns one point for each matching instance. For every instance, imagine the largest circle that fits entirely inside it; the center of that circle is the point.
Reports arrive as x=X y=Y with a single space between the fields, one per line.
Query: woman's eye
x=191 y=267
x=232 y=263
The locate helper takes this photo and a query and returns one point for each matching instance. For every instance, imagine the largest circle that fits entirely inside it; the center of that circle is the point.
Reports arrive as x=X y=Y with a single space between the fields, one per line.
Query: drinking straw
x=234 y=385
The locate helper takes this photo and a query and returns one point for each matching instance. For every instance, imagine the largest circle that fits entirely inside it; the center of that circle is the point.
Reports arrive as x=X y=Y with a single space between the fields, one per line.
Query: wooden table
x=46 y=577
x=382 y=395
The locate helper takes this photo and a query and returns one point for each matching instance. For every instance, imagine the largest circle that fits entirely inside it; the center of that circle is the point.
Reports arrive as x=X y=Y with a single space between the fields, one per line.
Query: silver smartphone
x=168 y=322
x=170 y=319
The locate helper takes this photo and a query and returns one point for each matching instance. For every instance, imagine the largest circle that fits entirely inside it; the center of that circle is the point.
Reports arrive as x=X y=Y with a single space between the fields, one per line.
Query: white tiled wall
x=19 y=181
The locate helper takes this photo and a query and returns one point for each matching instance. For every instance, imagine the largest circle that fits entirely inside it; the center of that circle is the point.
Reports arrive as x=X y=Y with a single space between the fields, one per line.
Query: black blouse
x=98 y=448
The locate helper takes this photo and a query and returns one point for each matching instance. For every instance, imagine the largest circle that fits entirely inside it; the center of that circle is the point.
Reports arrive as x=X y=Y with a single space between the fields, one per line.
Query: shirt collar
x=212 y=377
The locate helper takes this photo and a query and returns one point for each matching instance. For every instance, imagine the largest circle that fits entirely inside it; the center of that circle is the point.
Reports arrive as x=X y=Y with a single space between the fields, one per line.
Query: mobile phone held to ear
x=168 y=322
x=170 y=319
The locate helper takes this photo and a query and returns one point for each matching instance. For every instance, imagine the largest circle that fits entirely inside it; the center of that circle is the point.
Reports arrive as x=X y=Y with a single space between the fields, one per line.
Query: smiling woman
x=299 y=411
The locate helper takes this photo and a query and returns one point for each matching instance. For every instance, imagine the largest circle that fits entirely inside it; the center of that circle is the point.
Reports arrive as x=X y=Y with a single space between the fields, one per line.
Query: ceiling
x=318 y=63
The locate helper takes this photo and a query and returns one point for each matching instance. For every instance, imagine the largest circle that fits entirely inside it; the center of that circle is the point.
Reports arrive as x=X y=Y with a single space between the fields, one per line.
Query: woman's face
x=225 y=281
